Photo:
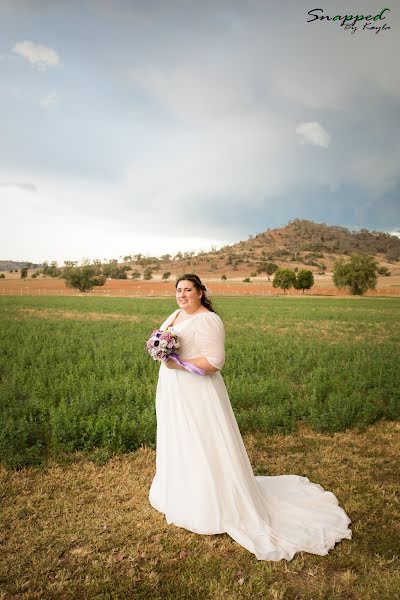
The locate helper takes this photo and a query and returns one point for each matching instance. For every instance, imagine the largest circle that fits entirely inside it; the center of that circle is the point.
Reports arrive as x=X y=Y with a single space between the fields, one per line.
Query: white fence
x=26 y=291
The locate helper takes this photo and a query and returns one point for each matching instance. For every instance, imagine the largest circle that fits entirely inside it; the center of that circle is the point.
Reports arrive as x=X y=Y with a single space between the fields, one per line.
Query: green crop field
x=75 y=375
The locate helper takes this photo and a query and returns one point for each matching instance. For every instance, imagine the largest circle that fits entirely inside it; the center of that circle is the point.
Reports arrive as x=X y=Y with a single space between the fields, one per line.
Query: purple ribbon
x=188 y=366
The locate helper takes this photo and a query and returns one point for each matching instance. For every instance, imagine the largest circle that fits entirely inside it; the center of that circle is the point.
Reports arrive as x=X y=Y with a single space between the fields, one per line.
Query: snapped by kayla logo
x=353 y=23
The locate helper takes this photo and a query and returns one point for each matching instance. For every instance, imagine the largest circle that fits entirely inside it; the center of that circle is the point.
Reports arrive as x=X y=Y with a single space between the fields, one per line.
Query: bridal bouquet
x=161 y=346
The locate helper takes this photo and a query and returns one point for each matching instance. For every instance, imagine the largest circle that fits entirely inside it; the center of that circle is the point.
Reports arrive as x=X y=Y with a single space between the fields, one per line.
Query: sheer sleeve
x=169 y=319
x=210 y=335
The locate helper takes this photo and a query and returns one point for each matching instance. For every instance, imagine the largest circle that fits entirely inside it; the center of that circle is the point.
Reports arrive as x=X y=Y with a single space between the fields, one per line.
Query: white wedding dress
x=204 y=481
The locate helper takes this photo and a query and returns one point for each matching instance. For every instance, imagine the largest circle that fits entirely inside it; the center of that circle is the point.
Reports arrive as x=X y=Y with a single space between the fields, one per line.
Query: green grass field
x=75 y=375
x=307 y=378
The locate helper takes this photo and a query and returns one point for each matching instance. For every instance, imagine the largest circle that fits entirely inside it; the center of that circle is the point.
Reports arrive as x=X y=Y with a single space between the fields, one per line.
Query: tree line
x=358 y=275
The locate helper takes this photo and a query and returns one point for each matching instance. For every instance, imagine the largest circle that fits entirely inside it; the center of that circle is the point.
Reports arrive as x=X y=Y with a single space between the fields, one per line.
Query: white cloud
x=196 y=89
x=28 y=187
x=48 y=100
x=313 y=133
x=39 y=55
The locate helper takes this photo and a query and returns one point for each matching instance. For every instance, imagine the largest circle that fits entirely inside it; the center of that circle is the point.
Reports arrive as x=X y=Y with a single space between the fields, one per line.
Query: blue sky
x=159 y=126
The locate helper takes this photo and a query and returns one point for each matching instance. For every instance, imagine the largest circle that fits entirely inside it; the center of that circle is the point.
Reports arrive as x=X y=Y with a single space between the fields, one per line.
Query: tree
x=148 y=273
x=83 y=278
x=284 y=279
x=269 y=268
x=166 y=275
x=24 y=273
x=304 y=280
x=223 y=277
x=52 y=270
x=115 y=271
x=136 y=275
x=358 y=274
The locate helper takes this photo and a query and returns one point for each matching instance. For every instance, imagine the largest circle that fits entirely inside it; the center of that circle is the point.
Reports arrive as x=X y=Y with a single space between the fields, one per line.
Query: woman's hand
x=171 y=364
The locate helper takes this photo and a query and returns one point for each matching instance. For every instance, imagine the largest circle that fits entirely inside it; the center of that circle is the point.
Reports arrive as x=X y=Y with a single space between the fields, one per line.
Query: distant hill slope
x=300 y=242
x=7 y=265
x=301 y=235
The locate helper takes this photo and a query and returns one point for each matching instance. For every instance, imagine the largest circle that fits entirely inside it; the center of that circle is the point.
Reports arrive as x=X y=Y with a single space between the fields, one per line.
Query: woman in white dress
x=204 y=481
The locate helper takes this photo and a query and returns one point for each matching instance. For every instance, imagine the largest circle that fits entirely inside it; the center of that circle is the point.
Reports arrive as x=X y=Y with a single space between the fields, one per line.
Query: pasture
x=315 y=387
x=75 y=375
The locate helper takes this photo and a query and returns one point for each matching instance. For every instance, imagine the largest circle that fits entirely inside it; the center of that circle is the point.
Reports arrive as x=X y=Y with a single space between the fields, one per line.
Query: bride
x=204 y=481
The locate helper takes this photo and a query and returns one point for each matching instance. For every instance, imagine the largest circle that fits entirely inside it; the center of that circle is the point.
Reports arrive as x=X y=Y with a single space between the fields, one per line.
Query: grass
x=83 y=528
x=315 y=387
x=75 y=376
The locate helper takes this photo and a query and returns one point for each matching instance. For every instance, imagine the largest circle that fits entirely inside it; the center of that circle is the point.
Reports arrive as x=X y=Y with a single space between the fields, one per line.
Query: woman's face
x=187 y=296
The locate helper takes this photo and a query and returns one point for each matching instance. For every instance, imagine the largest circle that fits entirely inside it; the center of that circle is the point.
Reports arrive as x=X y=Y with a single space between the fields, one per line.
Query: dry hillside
x=301 y=243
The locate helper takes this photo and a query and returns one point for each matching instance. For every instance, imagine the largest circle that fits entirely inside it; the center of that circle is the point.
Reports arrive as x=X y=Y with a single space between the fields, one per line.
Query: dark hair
x=195 y=279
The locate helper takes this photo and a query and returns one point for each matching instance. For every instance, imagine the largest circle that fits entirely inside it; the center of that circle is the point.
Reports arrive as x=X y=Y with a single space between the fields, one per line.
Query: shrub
x=358 y=275
x=304 y=280
x=284 y=279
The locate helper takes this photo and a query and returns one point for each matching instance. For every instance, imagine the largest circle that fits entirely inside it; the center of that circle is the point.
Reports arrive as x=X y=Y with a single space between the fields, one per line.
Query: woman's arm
x=210 y=345
x=199 y=361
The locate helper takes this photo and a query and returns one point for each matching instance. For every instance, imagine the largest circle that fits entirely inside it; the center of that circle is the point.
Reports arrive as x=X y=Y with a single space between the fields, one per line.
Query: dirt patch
x=323 y=329
x=73 y=314
x=155 y=288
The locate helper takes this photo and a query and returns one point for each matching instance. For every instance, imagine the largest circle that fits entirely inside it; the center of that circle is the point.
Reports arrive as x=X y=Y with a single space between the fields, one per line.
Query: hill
x=301 y=236
x=301 y=243
x=7 y=265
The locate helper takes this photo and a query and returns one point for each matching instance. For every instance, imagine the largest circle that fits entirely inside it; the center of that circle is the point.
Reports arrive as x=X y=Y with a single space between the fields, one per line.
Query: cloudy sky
x=156 y=126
